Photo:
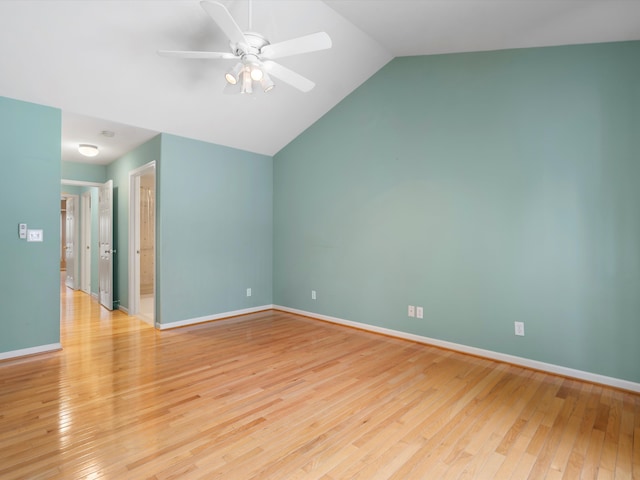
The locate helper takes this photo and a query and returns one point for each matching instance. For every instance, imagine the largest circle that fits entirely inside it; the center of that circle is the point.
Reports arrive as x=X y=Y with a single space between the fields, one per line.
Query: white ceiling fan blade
x=295 y=46
x=191 y=54
x=224 y=20
x=288 y=76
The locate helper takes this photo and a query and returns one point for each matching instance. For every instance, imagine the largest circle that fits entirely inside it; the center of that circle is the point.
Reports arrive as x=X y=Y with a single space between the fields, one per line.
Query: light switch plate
x=34 y=236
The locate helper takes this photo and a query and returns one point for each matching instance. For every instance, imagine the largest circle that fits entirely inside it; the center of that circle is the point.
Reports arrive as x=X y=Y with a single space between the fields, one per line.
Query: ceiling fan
x=254 y=53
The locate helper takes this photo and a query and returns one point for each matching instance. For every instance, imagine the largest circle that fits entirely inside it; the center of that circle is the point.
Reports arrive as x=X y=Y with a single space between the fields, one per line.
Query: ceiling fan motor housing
x=255 y=43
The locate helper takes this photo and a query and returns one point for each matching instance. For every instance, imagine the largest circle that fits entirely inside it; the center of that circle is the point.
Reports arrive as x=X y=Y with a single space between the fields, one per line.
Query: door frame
x=106 y=243
x=134 y=240
x=74 y=240
x=78 y=183
x=85 y=241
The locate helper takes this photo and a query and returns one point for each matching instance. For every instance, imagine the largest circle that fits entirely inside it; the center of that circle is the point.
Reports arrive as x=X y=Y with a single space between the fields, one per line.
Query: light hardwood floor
x=276 y=396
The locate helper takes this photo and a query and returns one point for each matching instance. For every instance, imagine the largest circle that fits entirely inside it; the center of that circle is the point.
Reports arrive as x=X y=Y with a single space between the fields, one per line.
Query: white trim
x=106 y=241
x=133 y=240
x=209 y=318
x=80 y=183
x=134 y=237
x=85 y=240
x=75 y=241
x=123 y=309
x=139 y=170
x=30 y=351
x=502 y=357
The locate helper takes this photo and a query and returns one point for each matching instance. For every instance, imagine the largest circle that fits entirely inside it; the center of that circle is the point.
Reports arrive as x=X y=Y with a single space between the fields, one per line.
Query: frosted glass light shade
x=88 y=150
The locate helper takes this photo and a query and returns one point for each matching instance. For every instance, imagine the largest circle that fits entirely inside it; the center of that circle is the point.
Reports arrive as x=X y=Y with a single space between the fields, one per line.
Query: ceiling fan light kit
x=255 y=54
x=266 y=83
x=247 y=83
x=256 y=73
x=233 y=75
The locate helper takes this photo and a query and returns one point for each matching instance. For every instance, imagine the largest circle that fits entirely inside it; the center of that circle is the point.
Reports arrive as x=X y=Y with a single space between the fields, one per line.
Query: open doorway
x=83 y=225
x=142 y=241
x=69 y=240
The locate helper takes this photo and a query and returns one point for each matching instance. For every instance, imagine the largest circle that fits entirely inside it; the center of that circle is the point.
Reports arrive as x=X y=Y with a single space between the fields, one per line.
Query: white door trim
x=80 y=183
x=85 y=242
x=74 y=241
x=106 y=250
x=134 y=238
x=84 y=183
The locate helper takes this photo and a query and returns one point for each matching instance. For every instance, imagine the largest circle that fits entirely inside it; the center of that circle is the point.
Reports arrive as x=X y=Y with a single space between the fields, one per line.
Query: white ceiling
x=77 y=129
x=97 y=59
x=425 y=27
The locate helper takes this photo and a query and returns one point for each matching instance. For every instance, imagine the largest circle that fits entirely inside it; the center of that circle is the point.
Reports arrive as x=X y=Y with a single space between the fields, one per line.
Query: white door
x=85 y=244
x=105 y=242
x=69 y=248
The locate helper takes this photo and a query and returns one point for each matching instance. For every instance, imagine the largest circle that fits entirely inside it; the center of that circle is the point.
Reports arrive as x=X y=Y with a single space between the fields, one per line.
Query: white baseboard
x=502 y=357
x=123 y=309
x=30 y=351
x=209 y=318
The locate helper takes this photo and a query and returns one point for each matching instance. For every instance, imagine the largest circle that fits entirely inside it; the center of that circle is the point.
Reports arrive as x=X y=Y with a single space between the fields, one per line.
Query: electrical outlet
x=519 y=327
x=412 y=311
x=248 y=292
x=313 y=294
x=419 y=312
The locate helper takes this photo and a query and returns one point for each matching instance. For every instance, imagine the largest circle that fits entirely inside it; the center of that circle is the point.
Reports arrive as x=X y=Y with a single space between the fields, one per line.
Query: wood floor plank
x=273 y=395
x=562 y=454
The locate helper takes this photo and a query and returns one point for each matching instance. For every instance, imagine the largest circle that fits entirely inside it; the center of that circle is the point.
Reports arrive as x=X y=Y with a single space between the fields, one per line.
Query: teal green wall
x=30 y=193
x=486 y=187
x=84 y=172
x=118 y=171
x=215 y=229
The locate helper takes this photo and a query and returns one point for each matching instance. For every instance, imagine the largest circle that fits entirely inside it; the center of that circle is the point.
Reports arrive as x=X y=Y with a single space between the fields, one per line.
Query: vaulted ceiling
x=97 y=61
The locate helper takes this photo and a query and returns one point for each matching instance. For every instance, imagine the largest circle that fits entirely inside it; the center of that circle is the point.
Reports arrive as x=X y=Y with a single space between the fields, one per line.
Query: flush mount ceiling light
x=88 y=150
